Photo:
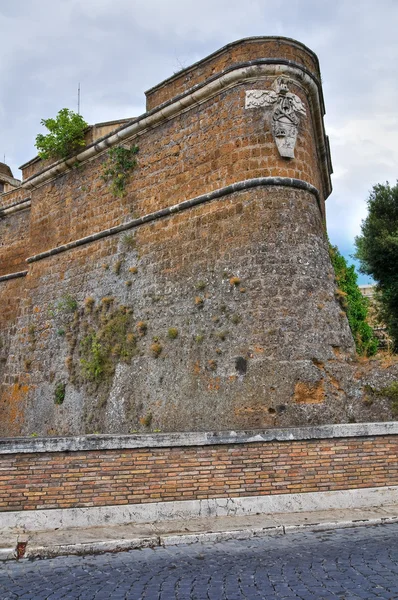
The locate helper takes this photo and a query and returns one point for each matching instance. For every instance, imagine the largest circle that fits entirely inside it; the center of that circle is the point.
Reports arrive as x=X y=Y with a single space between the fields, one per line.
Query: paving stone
x=346 y=564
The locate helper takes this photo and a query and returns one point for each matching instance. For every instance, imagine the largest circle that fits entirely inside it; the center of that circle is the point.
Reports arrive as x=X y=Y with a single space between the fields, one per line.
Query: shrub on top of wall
x=65 y=137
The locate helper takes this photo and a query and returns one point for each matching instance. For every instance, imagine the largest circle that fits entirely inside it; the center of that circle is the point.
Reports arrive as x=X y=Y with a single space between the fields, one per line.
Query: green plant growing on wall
x=116 y=337
x=117 y=169
x=172 y=333
x=234 y=281
x=107 y=301
x=353 y=303
x=117 y=267
x=222 y=335
x=199 y=301
x=142 y=328
x=94 y=362
x=390 y=392
x=59 y=393
x=146 y=421
x=65 y=137
x=67 y=304
x=128 y=241
x=89 y=303
x=106 y=344
x=156 y=349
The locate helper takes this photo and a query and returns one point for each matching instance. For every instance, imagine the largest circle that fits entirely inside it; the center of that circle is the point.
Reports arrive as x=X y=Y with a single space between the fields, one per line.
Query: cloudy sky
x=118 y=49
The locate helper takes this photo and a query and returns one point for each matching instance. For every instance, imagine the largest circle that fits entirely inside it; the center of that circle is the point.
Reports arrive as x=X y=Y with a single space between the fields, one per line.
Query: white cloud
x=365 y=152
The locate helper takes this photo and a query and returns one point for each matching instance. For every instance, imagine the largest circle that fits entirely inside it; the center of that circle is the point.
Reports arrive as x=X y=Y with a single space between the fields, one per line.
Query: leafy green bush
x=65 y=137
x=353 y=304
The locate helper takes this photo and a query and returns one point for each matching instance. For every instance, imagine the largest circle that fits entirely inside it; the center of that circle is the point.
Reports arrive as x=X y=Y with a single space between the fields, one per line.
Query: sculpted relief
x=285 y=117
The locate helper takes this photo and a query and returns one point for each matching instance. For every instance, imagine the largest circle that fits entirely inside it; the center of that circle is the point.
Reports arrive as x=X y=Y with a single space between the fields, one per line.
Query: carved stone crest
x=285 y=118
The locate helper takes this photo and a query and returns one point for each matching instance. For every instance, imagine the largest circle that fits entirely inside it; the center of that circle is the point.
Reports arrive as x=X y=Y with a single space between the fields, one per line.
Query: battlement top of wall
x=240 y=52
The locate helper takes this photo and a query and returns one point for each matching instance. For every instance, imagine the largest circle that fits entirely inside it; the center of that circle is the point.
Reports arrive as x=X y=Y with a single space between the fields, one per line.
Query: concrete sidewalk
x=93 y=540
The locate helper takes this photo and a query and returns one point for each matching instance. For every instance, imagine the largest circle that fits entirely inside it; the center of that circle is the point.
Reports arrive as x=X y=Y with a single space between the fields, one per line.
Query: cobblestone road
x=345 y=564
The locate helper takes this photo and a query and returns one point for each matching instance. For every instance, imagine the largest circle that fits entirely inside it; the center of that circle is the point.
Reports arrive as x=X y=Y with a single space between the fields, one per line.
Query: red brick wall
x=131 y=476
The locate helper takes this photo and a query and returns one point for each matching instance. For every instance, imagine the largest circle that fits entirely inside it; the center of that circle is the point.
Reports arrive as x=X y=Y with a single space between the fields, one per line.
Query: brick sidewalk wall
x=141 y=475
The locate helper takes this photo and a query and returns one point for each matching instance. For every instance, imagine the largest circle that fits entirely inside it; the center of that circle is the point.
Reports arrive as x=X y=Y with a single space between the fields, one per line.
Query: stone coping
x=164 y=440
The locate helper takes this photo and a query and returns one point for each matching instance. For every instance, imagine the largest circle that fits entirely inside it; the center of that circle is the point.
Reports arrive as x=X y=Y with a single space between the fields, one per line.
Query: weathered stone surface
x=219 y=316
x=169 y=440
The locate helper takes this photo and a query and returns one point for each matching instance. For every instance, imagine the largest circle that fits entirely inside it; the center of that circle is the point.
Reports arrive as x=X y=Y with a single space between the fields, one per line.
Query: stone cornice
x=252 y=70
x=11 y=180
x=15 y=207
x=13 y=276
x=167 y=440
x=185 y=205
x=224 y=49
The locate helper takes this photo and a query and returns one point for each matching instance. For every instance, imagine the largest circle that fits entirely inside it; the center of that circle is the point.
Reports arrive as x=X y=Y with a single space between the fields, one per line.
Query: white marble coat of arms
x=285 y=118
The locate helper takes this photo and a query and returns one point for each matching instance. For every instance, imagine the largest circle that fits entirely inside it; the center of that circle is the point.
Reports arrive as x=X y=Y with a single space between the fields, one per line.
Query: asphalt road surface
x=344 y=564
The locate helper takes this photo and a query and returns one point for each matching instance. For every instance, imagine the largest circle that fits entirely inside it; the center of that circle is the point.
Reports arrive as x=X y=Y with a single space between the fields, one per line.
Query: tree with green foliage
x=353 y=303
x=377 y=251
x=65 y=137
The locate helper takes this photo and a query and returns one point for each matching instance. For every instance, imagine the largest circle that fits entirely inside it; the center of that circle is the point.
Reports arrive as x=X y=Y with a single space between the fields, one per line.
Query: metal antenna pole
x=78 y=99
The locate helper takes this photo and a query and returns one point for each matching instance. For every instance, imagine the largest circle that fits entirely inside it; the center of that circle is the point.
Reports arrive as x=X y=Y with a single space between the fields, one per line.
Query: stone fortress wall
x=204 y=297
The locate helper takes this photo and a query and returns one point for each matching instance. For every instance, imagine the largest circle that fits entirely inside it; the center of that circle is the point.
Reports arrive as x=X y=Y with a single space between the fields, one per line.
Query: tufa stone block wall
x=252 y=50
x=204 y=296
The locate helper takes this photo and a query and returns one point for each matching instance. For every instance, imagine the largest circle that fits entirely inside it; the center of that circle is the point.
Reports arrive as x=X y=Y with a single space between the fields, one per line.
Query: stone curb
x=83 y=549
x=31 y=551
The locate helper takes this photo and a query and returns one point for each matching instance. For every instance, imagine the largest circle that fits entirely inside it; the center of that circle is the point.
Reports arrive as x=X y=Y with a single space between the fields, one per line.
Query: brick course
x=135 y=476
